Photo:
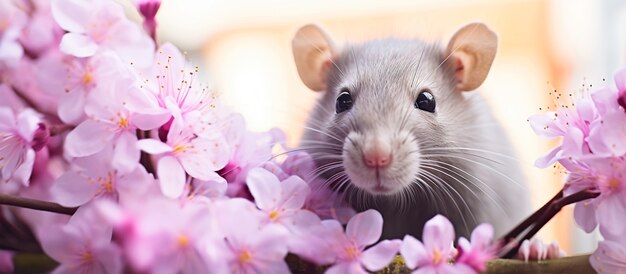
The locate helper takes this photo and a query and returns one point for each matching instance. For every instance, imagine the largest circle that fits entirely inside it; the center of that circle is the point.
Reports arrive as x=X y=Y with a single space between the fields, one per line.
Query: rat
x=399 y=128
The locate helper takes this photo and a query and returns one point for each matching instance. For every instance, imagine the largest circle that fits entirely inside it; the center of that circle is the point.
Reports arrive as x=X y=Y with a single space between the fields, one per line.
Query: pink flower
x=214 y=188
x=41 y=33
x=279 y=200
x=363 y=229
x=327 y=204
x=185 y=152
x=609 y=258
x=79 y=82
x=158 y=234
x=607 y=134
x=83 y=245
x=250 y=150
x=172 y=90
x=95 y=177
x=433 y=256
x=571 y=124
x=250 y=246
x=12 y=20
x=96 y=25
x=149 y=9
x=109 y=124
x=608 y=176
x=17 y=138
x=476 y=253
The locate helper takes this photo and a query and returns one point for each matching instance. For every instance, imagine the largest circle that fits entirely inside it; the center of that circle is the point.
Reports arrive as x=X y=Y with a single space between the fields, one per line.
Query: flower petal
x=549 y=158
x=610 y=209
x=295 y=191
x=77 y=45
x=72 y=107
x=413 y=251
x=126 y=153
x=172 y=177
x=73 y=189
x=88 y=138
x=71 y=15
x=585 y=215
x=544 y=125
x=153 y=146
x=482 y=235
x=609 y=258
x=377 y=257
x=265 y=188
x=438 y=233
x=365 y=228
x=24 y=170
x=346 y=268
x=620 y=79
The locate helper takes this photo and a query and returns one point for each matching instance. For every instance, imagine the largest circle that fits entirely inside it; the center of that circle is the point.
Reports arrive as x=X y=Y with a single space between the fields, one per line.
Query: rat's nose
x=376 y=158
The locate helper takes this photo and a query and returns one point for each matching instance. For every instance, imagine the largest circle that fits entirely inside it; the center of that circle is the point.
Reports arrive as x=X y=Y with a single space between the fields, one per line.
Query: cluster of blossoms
x=593 y=151
x=165 y=179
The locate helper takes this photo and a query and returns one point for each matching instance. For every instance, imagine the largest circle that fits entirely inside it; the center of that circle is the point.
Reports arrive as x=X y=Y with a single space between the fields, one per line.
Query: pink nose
x=376 y=158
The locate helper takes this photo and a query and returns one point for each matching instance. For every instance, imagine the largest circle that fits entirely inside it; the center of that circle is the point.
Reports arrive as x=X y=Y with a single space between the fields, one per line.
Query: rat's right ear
x=472 y=50
x=313 y=50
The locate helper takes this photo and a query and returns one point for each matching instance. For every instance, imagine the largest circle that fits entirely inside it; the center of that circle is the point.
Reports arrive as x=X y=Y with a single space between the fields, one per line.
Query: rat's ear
x=472 y=50
x=312 y=50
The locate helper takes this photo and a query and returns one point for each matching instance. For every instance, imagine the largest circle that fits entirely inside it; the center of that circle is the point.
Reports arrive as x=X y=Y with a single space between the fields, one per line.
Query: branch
x=145 y=159
x=35 y=204
x=29 y=102
x=540 y=218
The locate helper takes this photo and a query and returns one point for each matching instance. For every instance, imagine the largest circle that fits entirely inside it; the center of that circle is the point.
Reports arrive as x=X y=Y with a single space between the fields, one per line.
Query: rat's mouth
x=380 y=189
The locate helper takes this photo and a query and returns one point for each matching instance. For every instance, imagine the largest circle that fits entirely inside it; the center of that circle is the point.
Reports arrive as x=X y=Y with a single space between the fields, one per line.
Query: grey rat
x=398 y=130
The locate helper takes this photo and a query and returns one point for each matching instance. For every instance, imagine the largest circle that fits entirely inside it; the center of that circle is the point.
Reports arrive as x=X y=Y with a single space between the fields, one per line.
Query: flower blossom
x=349 y=248
x=610 y=257
x=435 y=253
x=80 y=246
x=476 y=253
x=18 y=142
x=12 y=20
x=96 y=177
x=185 y=152
x=96 y=25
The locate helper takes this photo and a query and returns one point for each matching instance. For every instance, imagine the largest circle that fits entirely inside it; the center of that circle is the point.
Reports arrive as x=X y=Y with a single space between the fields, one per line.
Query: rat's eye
x=426 y=101
x=344 y=101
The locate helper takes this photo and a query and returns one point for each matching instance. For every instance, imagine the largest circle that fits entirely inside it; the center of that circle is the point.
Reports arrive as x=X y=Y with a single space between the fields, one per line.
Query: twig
x=35 y=204
x=540 y=218
x=145 y=158
x=29 y=102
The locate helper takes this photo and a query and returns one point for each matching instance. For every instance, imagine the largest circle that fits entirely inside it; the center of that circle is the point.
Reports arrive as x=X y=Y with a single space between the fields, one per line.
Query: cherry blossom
x=435 y=253
x=95 y=177
x=18 y=143
x=571 y=124
x=185 y=152
x=350 y=248
x=81 y=247
x=610 y=257
x=12 y=21
x=173 y=90
x=96 y=25
x=476 y=253
x=161 y=235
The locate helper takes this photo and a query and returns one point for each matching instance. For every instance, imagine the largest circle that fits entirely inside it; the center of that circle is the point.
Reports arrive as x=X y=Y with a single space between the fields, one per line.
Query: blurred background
x=243 y=48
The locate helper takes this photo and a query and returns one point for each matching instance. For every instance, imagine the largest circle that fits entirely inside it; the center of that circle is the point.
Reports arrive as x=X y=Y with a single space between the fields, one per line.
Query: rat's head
x=386 y=102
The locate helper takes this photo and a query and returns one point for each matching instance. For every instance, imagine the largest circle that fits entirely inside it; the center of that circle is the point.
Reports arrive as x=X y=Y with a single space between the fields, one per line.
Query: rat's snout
x=377 y=153
x=377 y=157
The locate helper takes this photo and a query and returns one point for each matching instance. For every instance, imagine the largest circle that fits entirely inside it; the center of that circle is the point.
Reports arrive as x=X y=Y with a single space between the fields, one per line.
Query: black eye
x=426 y=101
x=344 y=101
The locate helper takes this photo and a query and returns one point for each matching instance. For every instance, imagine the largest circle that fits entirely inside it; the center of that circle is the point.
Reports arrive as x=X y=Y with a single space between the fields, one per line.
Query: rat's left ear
x=472 y=50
